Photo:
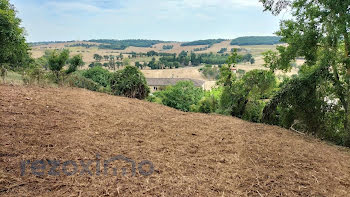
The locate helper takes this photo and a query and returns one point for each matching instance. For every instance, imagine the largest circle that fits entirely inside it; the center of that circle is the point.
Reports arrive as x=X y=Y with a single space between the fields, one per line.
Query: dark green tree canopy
x=13 y=46
x=319 y=33
x=129 y=82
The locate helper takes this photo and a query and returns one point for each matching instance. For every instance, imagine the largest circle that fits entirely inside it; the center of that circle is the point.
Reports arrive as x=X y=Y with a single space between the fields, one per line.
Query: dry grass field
x=192 y=154
x=191 y=72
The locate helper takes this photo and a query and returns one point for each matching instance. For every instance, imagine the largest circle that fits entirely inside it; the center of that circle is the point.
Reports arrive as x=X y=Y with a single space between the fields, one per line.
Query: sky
x=171 y=20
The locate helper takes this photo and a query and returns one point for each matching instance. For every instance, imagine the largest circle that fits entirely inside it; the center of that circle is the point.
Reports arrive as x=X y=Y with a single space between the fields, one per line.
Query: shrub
x=129 y=82
x=79 y=81
x=207 y=105
x=98 y=75
x=182 y=95
x=253 y=111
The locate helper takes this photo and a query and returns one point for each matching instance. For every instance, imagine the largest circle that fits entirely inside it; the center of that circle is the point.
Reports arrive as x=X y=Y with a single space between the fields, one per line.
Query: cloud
x=150 y=19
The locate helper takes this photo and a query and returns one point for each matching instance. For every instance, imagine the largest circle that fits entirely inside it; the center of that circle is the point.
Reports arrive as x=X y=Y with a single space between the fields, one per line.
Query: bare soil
x=193 y=154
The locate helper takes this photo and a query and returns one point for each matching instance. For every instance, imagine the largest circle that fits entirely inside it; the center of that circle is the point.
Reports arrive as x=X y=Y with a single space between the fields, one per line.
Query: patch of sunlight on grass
x=13 y=77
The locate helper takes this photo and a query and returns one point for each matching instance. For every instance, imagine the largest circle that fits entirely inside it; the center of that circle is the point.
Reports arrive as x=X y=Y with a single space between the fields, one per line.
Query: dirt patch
x=193 y=154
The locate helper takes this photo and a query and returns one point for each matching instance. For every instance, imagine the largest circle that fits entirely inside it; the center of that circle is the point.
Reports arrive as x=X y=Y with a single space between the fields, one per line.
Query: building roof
x=172 y=81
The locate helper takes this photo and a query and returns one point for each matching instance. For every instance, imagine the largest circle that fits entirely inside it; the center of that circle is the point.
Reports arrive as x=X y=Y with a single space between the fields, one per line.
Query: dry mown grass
x=193 y=154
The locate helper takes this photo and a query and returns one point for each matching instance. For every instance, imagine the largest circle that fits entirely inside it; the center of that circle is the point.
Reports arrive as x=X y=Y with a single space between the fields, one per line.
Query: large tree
x=319 y=32
x=13 y=46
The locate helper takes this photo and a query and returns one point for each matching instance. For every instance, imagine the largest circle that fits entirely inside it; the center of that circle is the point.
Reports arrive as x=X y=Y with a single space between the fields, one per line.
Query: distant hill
x=256 y=40
x=203 y=42
x=123 y=44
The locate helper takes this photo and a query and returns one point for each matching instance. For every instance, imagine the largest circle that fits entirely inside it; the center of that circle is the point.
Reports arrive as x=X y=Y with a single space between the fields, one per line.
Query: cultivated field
x=193 y=154
x=191 y=72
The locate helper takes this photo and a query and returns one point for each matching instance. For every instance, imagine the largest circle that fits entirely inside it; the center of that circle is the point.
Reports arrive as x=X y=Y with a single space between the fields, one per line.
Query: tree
x=97 y=57
x=319 y=32
x=112 y=63
x=252 y=61
x=129 y=82
x=57 y=60
x=98 y=75
x=182 y=95
x=75 y=62
x=126 y=62
x=3 y=73
x=13 y=46
x=138 y=65
x=243 y=97
x=271 y=60
x=106 y=57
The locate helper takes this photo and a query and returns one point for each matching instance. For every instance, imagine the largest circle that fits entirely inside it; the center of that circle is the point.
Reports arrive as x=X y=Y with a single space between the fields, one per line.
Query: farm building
x=157 y=84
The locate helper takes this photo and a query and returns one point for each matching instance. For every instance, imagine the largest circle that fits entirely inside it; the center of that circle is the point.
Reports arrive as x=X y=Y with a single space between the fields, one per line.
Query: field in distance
x=115 y=48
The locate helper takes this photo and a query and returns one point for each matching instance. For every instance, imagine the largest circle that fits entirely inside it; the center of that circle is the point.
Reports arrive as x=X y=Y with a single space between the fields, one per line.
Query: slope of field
x=187 y=72
x=193 y=154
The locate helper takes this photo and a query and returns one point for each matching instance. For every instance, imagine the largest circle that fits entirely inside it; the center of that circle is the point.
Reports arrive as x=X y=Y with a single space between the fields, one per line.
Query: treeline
x=256 y=40
x=170 y=60
x=193 y=59
x=47 y=43
x=222 y=50
x=81 y=45
x=208 y=42
x=201 y=49
x=168 y=47
x=123 y=44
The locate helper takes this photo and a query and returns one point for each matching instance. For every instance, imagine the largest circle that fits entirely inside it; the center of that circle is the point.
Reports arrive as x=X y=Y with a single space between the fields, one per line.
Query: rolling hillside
x=193 y=154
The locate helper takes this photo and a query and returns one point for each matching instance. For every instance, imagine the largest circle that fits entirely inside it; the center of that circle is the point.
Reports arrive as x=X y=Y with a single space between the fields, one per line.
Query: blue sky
x=177 y=20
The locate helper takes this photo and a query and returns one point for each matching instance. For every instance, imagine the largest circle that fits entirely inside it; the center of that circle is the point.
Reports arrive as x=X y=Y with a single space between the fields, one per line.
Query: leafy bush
x=182 y=95
x=207 y=105
x=98 y=75
x=75 y=62
x=253 y=111
x=240 y=95
x=129 y=82
x=79 y=81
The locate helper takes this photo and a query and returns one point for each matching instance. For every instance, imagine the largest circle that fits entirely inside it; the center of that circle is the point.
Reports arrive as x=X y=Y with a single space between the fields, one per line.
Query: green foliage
x=56 y=61
x=123 y=44
x=210 y=72
x=256 y=40
x=203 y=42
x=79 y=81
x=13 y=46
x=222 y=50
x=299 y=98
x=168 y=47
x=209 y=103
x=81 y=45
x=35 y=73
x=244 y=97
x=129 y=82
x=272 y=61
x=201 y=49
x=99 y=75
x=98 y=57
x=318 y=32
x=253 y=111
x=126 y=62
x=75 y=62
x=181 y=96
